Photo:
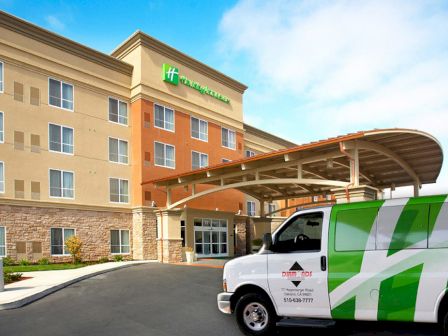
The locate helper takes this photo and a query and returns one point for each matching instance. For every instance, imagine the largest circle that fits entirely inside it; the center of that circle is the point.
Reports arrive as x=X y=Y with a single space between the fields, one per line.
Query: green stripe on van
x=344 y=265
x=346 y=310
x=398 y=295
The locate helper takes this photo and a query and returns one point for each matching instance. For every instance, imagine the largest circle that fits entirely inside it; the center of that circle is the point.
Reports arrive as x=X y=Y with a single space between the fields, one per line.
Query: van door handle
x=323 y=263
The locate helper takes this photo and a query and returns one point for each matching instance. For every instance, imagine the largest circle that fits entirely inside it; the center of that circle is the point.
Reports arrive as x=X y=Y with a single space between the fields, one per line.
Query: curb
x=48 y=291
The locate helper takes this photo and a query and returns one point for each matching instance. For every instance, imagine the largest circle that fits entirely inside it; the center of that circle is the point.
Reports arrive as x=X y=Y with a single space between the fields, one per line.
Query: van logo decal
x=296 y=274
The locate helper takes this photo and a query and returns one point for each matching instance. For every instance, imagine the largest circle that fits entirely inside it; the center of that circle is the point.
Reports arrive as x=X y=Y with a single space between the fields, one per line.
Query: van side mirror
x=267 y=241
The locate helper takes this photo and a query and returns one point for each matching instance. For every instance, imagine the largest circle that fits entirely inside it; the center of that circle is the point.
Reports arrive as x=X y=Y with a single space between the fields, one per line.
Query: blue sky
x=315 y=69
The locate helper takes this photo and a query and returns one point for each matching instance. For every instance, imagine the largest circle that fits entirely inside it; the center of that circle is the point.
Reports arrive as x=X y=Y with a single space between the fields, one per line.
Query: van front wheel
x=255 y=315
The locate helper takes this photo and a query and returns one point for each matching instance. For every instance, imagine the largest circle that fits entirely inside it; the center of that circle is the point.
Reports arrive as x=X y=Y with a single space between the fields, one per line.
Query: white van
x=383 y=260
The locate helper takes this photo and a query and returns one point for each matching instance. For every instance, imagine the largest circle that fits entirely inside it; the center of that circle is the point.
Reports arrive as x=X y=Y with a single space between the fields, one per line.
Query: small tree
x=74 y=245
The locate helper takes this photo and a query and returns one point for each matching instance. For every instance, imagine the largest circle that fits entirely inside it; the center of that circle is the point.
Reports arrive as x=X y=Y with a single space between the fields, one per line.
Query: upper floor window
x=1 y=76
x=2 y=177
x=163 y=117
x=119 y=190
x=118 y=111
x=164 y=155
x=198 y=160
x=2 y=131
x=228 y=138
x=249 y=153
x=250 y=208
x=61 y=184
x=199 y=129
x=60 y=94
x=225 y=160
x=60 y=139
x=271 y=208
x=118 y=150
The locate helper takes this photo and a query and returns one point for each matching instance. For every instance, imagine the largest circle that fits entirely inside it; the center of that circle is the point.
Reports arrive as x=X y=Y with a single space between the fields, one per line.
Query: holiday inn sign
x=170 y=75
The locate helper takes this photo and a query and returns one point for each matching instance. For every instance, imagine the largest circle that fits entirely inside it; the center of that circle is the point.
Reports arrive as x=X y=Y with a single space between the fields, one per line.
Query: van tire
x=255 y=315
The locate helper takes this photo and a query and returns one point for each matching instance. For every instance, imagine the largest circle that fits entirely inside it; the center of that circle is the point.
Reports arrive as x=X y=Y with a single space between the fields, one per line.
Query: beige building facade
x=81 y=132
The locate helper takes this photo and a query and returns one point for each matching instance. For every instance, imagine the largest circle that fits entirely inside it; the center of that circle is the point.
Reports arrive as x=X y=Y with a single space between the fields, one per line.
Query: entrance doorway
x=210 y=237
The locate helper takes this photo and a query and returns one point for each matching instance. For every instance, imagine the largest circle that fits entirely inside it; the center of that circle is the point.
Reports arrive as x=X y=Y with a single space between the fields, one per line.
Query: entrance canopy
x=381 y=158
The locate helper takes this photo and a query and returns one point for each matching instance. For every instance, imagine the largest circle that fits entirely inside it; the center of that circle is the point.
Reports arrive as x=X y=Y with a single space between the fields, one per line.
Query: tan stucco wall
x=147 y=82
x=32 y=65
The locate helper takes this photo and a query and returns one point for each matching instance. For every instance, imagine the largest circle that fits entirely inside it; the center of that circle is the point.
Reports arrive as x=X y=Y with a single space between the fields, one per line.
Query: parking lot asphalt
x=154 y=299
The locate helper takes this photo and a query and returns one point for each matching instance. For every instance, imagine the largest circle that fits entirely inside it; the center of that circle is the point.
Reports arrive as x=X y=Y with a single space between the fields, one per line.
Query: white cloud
x=54 y=22
x=343 y=65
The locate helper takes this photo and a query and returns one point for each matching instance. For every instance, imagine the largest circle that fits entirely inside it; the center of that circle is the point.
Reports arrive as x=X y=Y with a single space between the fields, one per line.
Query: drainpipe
x=2 y=280
x=352 y=170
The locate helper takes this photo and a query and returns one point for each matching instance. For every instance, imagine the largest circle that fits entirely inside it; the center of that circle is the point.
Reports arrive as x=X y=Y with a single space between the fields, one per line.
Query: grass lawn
x=51 y=267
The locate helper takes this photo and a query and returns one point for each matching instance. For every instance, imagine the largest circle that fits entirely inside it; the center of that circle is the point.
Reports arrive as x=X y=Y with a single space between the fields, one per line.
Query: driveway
x=152 y=300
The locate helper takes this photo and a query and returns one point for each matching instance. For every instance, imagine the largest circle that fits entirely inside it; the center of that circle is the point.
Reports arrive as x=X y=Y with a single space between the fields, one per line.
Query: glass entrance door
x=210 y=237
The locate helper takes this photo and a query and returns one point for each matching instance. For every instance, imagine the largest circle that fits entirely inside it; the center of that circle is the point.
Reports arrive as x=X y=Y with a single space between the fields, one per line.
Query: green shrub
x=10 y=276
x=43 y=261
x=24 y=262
x=103 y=260
x=118 y=257
x=257 y=242
x=8 y=261
x=74 y=246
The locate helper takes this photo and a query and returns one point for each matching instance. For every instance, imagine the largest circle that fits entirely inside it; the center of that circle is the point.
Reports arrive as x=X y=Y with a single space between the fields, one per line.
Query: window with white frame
x=118 y=150
x=225 y=160
x=198 y=160
x=315 y=198
x=2 y=177
x=60 y=94
x=2 y=241
x=2 y=128
x=163 y=117
x=250 y=208
x=118 y=111
x=249 y=153
x=58 y=238
x=271 y=207
x=119 y=241
x=228 y=138
x=61 y=184
x=119 y=190
x=60 y=139
x=1 y=76
x=199 y=129
x=164 y=155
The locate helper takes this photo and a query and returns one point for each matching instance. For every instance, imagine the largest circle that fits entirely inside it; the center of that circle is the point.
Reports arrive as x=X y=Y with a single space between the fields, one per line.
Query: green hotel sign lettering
x=170 y=75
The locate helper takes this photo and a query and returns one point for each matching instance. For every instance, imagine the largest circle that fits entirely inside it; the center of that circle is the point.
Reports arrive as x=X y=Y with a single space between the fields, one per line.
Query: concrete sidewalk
x=43 y=283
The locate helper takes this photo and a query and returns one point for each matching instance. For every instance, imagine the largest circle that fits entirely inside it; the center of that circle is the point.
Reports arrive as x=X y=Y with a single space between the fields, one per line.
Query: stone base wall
x=169 y=250
x=144 y=234
x=243 y=242
x=31 y=226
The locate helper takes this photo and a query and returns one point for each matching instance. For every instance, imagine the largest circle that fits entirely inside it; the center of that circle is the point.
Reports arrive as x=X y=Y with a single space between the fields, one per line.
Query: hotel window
x=2 y=241
x=199 y=129
x=164 y=117
x=58 y=239
x=164 y=155
x=2 y=177
x=1 y=76
x=119 y=190
x=225 y=160
x=118 y=111
x=271 y=208
x=61 y=184
x=249 y=153
x=2 y=130
x=118 y=150
x=228 y=138
x=198 y=160
x=250 y=208
x=60 y=139
x=60 y=94
x=119 y=241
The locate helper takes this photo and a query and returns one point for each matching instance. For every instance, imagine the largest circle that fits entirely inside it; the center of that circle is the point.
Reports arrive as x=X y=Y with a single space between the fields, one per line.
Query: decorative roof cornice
x=140 y=38
x=268 y=136
x=47 y=37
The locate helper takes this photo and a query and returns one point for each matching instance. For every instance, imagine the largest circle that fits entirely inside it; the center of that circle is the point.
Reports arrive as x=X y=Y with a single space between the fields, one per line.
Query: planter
x=191 y=257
